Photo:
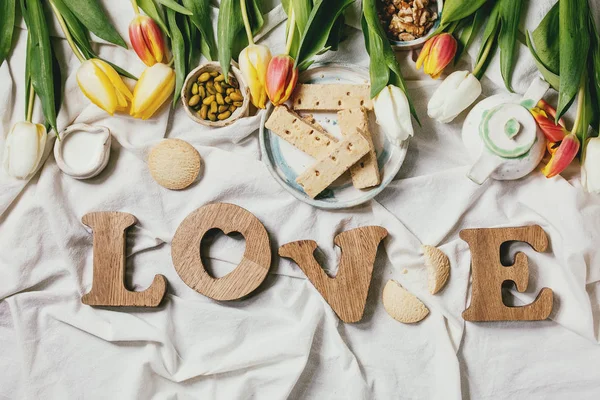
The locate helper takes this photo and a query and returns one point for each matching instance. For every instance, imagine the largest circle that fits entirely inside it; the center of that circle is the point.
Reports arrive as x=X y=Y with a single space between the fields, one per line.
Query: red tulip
x=562 y=156
x=437 y=53
x=544 y=114
x=147 y=40
x=282 y=77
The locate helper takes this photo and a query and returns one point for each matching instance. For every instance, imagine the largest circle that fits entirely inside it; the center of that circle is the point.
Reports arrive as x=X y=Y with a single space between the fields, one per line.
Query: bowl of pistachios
x=211 y=100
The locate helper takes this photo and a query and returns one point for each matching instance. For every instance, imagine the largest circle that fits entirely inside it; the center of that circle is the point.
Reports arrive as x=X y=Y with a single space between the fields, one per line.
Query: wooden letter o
x=251 y=271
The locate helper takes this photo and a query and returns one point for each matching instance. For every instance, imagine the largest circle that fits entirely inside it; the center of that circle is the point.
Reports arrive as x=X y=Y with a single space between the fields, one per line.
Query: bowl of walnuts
x=409 y=23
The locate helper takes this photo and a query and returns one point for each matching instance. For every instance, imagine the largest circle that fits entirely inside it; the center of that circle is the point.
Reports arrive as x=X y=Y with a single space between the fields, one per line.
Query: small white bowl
x=186 y=93
x=100 y=160
x=417 y=43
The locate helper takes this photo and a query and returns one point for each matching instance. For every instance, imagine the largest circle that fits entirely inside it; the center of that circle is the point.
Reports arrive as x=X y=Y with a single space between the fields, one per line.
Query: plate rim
x=370 y=195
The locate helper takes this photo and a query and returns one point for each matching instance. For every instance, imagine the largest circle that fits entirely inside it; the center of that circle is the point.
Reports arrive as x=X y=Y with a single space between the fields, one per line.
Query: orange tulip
x=437 y=53
x=282 y=77
x=147 y=40
x=562 y=156
x=544 y=114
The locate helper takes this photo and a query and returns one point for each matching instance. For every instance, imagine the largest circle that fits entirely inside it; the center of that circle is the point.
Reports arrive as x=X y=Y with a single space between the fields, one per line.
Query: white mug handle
x=484 y=167
x=536 y=91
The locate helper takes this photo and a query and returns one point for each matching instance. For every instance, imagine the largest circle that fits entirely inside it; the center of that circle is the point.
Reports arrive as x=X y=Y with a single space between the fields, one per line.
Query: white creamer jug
x=502 y=136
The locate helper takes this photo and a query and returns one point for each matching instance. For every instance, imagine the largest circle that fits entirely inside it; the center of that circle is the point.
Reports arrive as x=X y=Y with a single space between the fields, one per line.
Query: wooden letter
x=489 y=274
x=251 y=271
x=108 y=288
x=347 y=292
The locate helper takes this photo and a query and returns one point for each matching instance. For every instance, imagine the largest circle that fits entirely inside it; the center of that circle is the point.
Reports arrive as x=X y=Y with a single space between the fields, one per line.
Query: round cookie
x=174 y=164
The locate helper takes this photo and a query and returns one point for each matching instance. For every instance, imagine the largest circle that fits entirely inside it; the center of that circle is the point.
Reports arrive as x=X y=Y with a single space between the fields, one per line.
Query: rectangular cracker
x=331 y=97
x=365 y=173
x=326 y=170
x=299 y=131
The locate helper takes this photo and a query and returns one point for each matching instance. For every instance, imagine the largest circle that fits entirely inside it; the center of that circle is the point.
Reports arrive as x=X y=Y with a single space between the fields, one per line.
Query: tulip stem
x=246 y=22
x=29 y=114
x=580 y=106
x=65 y=29
x=486 y=52
x=136 y=8
x=291 y=33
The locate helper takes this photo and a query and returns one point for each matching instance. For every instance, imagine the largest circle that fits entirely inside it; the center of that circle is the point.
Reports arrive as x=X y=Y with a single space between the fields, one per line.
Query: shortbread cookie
x=365 y=173
x=303 y=133
x=342 y=156
x=174 y=164
x=402 y=305
x=438 y=268
x=331 y=97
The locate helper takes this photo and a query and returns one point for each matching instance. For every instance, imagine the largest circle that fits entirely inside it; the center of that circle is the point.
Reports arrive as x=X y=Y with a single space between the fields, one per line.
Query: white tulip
x=591 y=166
x=23 y=149
x=458 y=91
x=393 y=114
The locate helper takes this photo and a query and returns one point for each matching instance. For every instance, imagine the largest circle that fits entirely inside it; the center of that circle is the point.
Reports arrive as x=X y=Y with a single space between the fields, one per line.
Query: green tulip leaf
x=546 y=40
x=8 y=10
x=152 y=11
x=322 y=20
x=80 y=35
x=488 y=41
x=550 y=77
x=231 y=35
x=299 y=27
x=470 y=31
x=201 y=17
x=507 y=40
x=230 y=25
x=76 y=28
x=40 y=59
x=384 y=68
x=178 y=49
x=175 y=6
x=574 y=49
x=455 y=10
x=93 y=17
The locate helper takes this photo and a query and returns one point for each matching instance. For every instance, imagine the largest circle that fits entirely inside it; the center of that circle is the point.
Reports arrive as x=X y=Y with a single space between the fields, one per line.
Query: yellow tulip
x=254 y=61
x=155 y=86
x=103 y=86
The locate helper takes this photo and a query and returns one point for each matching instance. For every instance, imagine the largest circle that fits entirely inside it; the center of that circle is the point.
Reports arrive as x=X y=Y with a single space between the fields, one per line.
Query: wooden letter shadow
x=347 y=292
x=489 y=274
x=108 y=287
x=251 y=271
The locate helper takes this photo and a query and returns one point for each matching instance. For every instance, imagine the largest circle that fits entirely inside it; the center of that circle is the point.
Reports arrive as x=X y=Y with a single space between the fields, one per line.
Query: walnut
x=406 y=37
x=407 y=20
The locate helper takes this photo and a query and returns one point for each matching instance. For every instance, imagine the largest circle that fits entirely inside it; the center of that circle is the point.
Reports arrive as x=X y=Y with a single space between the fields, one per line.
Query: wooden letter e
x=489 y=274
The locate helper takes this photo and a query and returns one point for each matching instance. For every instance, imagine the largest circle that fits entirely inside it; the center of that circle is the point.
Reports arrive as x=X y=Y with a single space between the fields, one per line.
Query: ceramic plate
x=285 y=162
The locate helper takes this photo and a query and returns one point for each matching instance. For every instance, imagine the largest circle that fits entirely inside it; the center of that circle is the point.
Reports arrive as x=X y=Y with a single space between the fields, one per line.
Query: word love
x=346 y=293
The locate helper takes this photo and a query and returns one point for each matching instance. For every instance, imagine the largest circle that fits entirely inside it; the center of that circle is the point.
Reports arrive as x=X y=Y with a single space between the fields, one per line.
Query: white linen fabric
x=284 y=341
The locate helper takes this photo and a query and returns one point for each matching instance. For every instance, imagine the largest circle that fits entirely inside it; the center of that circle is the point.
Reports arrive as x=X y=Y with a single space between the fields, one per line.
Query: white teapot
x=503 y=138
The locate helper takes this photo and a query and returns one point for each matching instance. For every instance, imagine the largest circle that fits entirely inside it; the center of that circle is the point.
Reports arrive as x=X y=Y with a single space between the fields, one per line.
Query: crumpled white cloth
x=284 y=341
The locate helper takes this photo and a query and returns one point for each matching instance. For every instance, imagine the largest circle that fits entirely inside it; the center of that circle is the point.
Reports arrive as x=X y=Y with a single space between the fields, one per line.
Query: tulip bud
x=392 y=110
x=563 y=156
x=103 y=86
x=544 y=115
x=254 y=61
x=456 y=93
x=23 y=149
x=154 y=87
x=147 y=40
x=591 y=166
x=437 y=53
x=281 y=79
